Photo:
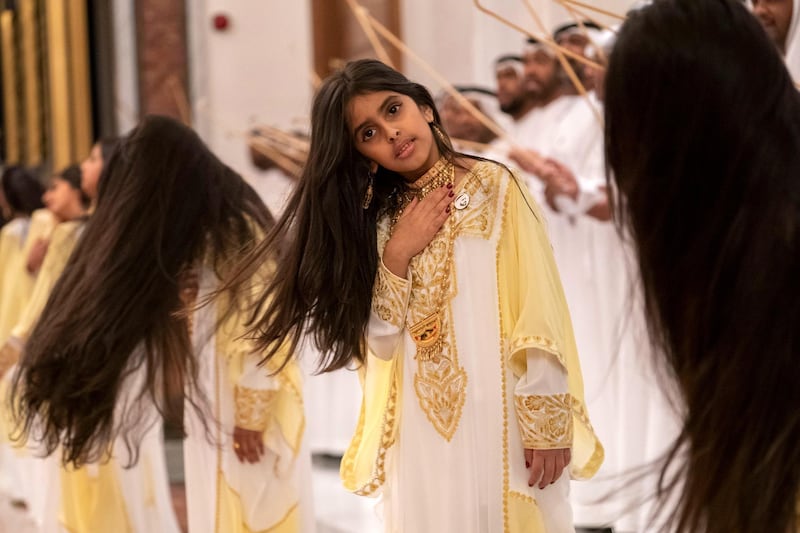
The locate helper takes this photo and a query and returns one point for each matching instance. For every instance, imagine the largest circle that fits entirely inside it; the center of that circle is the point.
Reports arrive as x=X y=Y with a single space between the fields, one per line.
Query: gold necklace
x=439 y=175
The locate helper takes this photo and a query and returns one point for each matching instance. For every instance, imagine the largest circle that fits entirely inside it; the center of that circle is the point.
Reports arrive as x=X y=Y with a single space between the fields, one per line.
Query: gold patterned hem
x=390 y=296
x=524 y=497
x=594 y=463
x=387 y=441
x=545 y=421
x=538 y=342
x=253 y=408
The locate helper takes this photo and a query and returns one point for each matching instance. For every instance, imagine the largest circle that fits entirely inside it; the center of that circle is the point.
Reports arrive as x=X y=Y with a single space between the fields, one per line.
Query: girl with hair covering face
x=116 y=349
x=703 y=144
x=431 y=271
x=104 y=496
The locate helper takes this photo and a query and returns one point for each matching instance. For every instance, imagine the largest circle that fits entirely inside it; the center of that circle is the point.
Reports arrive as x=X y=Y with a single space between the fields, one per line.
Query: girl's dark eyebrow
x=381 y=109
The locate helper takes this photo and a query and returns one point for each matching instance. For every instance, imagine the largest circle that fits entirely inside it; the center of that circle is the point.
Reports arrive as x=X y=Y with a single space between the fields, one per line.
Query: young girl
x=64 y=200
x=112 y=352
x=433 y=271
x=703 y=131
x=61 y=243
x=103 y=496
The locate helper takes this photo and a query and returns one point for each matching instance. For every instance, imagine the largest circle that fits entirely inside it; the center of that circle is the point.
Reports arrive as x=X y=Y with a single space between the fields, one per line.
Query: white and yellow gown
x=96 y=497
x=441 y=436
x=16 y=288
x=224 y=495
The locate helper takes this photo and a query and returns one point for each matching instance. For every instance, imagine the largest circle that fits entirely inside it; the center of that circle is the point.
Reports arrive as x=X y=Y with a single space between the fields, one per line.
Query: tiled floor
x=337 y=510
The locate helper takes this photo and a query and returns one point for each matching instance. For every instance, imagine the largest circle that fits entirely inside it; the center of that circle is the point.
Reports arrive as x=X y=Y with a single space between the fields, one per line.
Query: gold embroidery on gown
x=545 y=422
x=253 y=407
x=440 y=382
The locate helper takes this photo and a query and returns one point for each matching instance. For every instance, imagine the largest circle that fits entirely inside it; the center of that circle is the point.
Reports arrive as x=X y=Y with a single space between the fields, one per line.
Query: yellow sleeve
x=263 y=394
x=15 y=282
x=363 y=465
x=535 y=317
x=42 y=226
x=63 y=241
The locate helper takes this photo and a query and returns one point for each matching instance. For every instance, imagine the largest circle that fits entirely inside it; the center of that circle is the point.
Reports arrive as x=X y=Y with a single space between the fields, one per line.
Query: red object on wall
x=221 y=22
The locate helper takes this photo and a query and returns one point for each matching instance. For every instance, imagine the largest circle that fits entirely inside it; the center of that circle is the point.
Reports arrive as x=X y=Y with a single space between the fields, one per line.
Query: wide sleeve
x=267 y=397
x=538 y=338
x=390 y=296
x=363 y=468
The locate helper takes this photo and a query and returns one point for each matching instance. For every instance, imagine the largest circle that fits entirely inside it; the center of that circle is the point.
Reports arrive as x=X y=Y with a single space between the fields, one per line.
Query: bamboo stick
x=473 y=145
x=597 y=9
x=544 y=39
x=471 y=109
x=584 y=14
x=181 y=100
x=601 y=54
x=294 y=148
x=576 y=82
x=288 y=138
x=360 y=13
x=286 y=163
x=448 y=87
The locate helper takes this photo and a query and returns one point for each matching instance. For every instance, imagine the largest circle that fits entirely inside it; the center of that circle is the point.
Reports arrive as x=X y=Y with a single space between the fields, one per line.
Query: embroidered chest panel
x=440 y=382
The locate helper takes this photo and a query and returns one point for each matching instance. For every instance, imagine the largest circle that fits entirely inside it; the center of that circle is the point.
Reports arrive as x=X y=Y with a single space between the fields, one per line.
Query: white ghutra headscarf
x=793 y=43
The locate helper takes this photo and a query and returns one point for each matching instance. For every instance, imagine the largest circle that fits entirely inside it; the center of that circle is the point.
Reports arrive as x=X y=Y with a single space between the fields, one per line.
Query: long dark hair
x=328 y=259
x=703 y=142
x=22 y=190
x=165 y=202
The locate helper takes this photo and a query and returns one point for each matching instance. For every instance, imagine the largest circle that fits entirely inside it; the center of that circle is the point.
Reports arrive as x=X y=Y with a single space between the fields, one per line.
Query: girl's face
x=91 y=168
x=392 y=131
x=62 y=200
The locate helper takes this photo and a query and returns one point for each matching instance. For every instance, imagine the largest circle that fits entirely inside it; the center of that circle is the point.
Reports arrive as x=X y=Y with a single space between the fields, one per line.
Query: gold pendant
x=426 y=332
x=427 y=336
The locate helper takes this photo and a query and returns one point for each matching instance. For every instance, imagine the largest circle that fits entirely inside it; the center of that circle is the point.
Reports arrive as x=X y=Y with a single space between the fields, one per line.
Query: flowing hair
x=703 y=144
x=165 y=203
x=329 y=257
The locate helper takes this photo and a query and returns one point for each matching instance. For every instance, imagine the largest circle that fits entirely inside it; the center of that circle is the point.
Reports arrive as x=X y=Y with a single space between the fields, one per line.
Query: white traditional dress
x=454 y=393
x=224 y=495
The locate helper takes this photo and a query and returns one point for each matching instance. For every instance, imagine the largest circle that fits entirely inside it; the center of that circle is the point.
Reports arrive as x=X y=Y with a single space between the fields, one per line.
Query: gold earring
x=368 y=195
x=439 y=133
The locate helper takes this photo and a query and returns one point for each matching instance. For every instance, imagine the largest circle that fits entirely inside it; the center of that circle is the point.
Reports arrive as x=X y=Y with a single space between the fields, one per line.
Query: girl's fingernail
x=448 y=209
x=452 y=193
x=449 y=185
